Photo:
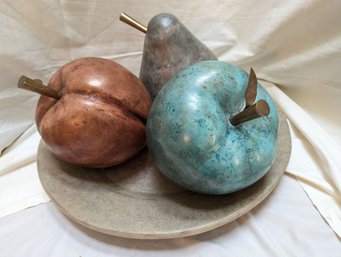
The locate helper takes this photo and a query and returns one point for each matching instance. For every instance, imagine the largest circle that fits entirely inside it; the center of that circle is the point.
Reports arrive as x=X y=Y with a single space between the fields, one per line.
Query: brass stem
x=259 y=109
x=132 y=22
x=251 y=90
x=37 y=86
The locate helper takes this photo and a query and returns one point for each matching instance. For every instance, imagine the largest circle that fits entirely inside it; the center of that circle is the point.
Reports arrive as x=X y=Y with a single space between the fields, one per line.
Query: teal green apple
x=210 y=131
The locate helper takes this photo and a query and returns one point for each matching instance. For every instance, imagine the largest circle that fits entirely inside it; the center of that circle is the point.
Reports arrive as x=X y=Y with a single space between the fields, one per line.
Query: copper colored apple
x=99 y=120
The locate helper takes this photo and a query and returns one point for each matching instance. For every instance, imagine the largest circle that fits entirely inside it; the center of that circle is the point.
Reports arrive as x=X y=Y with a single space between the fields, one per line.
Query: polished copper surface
x=100 y=119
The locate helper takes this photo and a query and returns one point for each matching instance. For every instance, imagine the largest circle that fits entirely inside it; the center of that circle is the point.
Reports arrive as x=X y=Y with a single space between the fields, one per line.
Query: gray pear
x=169 y=47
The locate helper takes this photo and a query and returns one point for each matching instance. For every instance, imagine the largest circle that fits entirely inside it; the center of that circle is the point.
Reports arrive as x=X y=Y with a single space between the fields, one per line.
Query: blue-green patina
x=191 y=139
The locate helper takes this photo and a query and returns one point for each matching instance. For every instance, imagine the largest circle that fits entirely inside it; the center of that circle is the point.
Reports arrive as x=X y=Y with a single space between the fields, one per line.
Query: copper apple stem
x=259 y=109
x=132 y=22
x=37 y=86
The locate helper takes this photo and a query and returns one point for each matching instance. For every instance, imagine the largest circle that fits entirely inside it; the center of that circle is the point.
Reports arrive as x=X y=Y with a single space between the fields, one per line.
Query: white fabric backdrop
x=284 y=225
x=294 y=45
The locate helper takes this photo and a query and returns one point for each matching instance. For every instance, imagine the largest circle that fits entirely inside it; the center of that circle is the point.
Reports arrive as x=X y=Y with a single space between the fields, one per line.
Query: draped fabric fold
x=294 y=46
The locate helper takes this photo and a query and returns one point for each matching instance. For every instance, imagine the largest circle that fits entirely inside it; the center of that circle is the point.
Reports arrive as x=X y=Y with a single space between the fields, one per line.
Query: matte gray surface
x=135 y=200
x=169 y=47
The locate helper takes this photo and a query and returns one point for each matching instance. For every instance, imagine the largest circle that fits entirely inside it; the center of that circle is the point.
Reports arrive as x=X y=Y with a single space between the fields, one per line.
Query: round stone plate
x=135 y=200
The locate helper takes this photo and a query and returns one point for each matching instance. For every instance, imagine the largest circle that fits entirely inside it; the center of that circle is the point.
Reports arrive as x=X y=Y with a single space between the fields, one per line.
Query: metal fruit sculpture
x=212 y=129
x=92 y=113
x=169 y=47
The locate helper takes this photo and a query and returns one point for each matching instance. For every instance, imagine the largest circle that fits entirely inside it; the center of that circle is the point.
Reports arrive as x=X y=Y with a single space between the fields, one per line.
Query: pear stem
x=132 y=22
x=257 y=110
x=36 y=85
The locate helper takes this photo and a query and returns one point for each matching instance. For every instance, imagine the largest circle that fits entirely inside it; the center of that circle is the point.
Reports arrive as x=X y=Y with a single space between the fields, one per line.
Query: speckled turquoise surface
x=191 y=139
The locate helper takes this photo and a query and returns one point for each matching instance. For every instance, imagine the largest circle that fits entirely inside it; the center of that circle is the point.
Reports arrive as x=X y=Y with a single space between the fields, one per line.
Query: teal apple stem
x=252 y=110
x=36 y=85
x=257 y=110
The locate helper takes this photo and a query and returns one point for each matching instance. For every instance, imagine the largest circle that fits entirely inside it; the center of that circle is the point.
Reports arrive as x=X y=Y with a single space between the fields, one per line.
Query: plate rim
x=284 y=128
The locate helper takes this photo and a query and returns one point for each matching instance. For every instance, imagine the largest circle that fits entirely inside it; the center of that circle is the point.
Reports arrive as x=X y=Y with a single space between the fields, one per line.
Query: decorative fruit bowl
x=134 y=199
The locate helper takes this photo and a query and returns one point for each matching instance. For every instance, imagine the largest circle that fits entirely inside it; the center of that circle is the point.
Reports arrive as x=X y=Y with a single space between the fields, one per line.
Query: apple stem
x=257 y=110
x=36 y=85
x=132 y=22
